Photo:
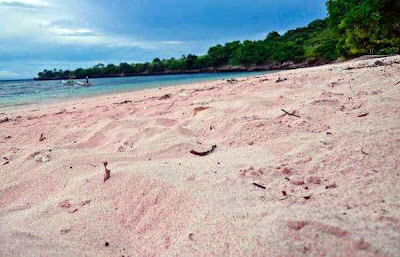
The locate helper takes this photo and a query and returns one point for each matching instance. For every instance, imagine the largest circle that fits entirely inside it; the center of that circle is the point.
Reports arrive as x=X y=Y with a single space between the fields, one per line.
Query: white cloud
x=8 y=74
x=58 y=25
x=24 y=4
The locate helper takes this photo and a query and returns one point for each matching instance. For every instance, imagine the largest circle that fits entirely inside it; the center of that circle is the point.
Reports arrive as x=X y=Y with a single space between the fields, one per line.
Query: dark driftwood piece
x=280 y=80
x=42 y=137
x=204 y=153
x=107 y=172
x=124 y=102
x=166 y=96
x=291 y=114
x=363 y=115
x=258 y=185
x=6 y=119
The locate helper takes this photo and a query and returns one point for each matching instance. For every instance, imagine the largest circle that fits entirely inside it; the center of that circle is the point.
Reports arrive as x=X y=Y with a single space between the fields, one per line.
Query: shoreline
x=99 y=94
x=298 y=153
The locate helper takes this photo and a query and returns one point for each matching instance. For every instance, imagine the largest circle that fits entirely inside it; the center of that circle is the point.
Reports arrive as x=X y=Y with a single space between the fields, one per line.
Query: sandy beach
x=307 y=163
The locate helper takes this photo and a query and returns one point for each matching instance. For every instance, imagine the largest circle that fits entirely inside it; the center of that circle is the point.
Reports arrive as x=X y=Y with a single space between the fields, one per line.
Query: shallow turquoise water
x=18 y=92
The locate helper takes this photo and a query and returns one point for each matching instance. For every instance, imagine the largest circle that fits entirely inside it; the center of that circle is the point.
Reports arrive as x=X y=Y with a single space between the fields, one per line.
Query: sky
x=68 y=34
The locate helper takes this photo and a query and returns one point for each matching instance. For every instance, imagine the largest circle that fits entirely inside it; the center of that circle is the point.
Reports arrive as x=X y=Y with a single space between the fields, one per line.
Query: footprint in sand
x=42 y=156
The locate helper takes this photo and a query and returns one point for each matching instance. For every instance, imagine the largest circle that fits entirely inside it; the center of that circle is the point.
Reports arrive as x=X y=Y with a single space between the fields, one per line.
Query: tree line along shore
x=352 y=28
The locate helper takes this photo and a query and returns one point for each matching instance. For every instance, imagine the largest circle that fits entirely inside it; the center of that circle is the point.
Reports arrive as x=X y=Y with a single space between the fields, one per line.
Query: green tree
x=365 y=26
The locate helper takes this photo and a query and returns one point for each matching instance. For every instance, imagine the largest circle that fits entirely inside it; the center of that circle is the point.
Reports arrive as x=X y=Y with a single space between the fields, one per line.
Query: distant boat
x=85 y=84
x=71 y=82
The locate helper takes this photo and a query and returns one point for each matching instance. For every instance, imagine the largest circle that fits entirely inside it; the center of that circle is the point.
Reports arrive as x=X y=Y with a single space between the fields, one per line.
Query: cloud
x=8 y=74
x=76 y=32
x=25 y=4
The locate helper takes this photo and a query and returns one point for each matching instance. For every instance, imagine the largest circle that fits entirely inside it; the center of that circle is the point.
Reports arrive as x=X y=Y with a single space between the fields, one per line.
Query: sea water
x=20 y=92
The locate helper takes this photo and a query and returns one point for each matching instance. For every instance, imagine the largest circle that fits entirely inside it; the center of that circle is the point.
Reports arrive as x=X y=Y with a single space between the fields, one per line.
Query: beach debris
x=204 y=153
x=107 y=172
x=308 y=197
x=6 y=119
x=166 y=96
x=379 y=63
x=364 y=152
x=199 y=109
x=363 y=115
x=397 y=83
x=7 y=161
x=331 y=186
x=291 y=113
x=42 y=156
x=65 y=231
x=124 y=102
x=7 y=137
x=231 y=81
x=281 y=80
x=284 y=193
x=42 y=137
x=85 y=202
x=258 y=185
x=191 y=236
x=106 y=244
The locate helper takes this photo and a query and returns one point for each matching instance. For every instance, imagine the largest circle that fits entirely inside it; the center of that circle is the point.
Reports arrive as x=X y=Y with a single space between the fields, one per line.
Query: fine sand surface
x=327 y=177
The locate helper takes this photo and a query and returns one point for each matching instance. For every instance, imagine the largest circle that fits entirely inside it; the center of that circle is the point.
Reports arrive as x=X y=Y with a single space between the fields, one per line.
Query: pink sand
x=331 y=179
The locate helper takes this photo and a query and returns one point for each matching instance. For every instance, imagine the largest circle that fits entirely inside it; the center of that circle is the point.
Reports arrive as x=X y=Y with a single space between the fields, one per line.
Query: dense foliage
x=354 y=27
x=365 y=26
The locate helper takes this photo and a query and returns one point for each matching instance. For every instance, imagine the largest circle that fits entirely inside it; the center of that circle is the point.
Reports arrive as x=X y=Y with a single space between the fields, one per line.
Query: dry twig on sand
x=107 y=172
x=291 y=114
x=363 y=115
x=124 y=102
x=258 y=185
x=204 y=153
x=42 y=137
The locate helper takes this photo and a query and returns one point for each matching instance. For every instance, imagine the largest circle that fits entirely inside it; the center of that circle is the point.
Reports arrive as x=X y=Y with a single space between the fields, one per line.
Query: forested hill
x=353 y=28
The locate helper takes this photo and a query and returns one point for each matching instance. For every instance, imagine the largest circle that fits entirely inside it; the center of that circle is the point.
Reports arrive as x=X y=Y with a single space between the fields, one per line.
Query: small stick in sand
x=258 y=185
x=42 y=137
x=363 y=115
x=7 y=161
x=290 y=114
x=107 y=174
x=364 y=152
x=204 y=153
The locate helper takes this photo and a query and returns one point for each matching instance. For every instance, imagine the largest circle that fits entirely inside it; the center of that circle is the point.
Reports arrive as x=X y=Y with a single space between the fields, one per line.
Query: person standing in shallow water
x=87 y=80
